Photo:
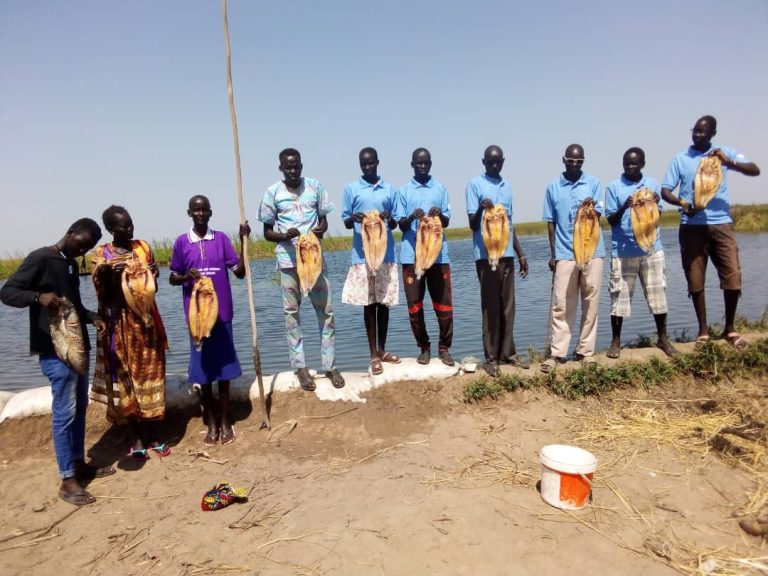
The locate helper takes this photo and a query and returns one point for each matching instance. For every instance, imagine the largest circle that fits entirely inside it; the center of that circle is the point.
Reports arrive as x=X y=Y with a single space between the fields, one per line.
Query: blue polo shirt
x=361 y=196
x=425 y=196
x=682 y=171
x=498 y=191
x=623 y=240
x=561 y=203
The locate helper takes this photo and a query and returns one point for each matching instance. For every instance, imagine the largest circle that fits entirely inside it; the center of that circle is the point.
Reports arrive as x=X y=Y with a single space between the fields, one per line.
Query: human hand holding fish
x=385 y=215
x=101 y=327
x=434 y=211
x=722 y=156
x=417 y=214
x=358 y=217
x=292 y=233
x=486 y=204
x=48 y=300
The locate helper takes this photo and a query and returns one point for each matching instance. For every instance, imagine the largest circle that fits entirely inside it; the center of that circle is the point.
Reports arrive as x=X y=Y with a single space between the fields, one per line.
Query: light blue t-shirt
x=623 y=240
x=425 y=196
x=301 y=209
x=498 y=191
x=561 y=204
x=682 y=171
x=361 y=196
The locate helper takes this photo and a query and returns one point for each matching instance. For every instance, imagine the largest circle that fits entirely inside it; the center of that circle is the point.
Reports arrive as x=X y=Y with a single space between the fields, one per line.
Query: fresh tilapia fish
x=644 y=215
x=67 y=336
x=374 y=233
x=203 y=310
x=429 y=241
x=139 y=288
x=706 y=183
x=309 y=261
x=495 y=229
x=586 y=233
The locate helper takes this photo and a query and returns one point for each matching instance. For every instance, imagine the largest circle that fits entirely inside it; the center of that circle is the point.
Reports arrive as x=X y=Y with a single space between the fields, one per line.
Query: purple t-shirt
x=212 y=256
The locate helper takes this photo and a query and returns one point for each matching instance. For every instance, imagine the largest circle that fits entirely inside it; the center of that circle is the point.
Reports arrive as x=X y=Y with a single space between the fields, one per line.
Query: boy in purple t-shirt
x=205 y=252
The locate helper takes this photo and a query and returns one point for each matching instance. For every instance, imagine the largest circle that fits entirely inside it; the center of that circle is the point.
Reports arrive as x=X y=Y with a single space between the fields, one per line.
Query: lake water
x=18 y=370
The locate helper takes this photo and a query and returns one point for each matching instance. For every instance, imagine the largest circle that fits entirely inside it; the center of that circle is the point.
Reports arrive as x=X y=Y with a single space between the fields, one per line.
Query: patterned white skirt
x=363 y=288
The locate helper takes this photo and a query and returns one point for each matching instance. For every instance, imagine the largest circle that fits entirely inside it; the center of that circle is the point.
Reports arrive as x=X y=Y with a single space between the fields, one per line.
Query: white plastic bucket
x=566 y=475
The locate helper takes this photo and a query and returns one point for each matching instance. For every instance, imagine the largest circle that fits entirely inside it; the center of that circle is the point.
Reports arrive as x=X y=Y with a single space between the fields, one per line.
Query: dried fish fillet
x=203 y=310
x=139 y=288
x=374 y=233
x=429 y=241
x=644 y=215
x=67 y=336
x=309 y=261
x=706 y=183
x=586 y=233
x=495 y=230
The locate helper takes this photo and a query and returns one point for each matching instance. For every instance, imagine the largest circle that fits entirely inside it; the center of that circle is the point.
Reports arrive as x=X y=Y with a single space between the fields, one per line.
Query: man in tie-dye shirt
x=290 y=208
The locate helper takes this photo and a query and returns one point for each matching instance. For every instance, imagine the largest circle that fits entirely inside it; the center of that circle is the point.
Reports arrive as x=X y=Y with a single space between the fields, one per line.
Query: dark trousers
x=497 y=302
x=437 y=279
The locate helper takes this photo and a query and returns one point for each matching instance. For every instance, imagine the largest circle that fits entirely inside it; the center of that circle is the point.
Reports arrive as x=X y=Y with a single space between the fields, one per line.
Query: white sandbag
x=357 y=383
x=4 y=397
x=33 y=402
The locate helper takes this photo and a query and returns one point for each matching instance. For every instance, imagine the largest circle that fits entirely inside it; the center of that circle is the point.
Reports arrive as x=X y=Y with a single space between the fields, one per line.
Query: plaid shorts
x=653 y=278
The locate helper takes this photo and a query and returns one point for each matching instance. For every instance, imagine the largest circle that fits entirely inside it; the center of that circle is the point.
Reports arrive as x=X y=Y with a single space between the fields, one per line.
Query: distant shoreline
x=746 y=217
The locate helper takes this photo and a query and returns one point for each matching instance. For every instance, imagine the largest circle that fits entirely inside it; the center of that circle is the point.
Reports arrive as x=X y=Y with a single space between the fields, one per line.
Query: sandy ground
x=415 y=481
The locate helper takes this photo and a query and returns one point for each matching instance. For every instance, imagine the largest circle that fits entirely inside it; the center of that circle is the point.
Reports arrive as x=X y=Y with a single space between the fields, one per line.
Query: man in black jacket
x=44 y=281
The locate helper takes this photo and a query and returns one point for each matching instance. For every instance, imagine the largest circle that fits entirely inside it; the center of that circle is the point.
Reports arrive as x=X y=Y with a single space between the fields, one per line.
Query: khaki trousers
x=569 y=282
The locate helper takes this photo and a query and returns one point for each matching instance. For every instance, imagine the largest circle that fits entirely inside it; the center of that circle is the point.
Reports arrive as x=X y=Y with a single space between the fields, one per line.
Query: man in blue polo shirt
x=497 y=287
x=708 y=232
x=421 y=196
x=629 y=260
x=564 y=196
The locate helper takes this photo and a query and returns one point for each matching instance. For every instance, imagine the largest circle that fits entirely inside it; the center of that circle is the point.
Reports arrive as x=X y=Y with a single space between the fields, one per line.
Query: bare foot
x=212 y=438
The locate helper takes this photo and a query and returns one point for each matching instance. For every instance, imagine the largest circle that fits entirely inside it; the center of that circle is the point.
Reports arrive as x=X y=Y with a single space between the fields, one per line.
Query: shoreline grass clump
x=712 y=362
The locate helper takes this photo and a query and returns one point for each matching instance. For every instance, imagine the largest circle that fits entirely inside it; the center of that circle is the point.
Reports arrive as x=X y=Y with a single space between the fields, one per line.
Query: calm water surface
x=18 y=370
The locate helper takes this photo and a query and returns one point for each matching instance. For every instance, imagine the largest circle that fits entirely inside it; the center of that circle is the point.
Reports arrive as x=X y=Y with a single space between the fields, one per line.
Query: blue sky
x=125 y=102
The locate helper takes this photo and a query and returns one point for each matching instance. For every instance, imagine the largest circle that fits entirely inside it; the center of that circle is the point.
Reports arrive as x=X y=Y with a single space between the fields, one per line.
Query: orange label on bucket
x=574 y=489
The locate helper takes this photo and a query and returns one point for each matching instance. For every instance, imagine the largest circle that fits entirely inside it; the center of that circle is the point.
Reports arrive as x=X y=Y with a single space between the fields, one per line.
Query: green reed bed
x=712 y=362
x=747 y=218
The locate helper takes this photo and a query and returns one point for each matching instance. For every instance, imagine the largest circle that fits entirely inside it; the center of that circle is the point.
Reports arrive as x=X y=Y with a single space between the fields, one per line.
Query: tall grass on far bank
x=747 y=218
x=712 y=362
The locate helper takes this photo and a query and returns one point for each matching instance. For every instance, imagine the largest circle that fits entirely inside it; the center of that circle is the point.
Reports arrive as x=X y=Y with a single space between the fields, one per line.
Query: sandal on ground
x=518 y=362
x=492 y=369
x=424 y=357
x=77 y=497
x=305 y=380
x=701 y=341
x=335 y=377
x=549 y=365
x=161 y=449
x=613 y=352
x=228 y=436
x=138 y=454
x=587 y=360
x=85 y=471
x=389 y=357
x=376 y=367
x=212 y=437
x=735 y=340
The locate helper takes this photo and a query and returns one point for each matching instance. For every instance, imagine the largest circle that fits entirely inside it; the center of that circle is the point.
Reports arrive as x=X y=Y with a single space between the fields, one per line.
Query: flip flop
x=376 y=367
x=85 y=471
x=549 y=365
x=77 y=497
x=227 y=438
x=161 y=449
x=613 y=352
x=212 y=440
x=138 y=454
x=735 y=340
x=391 y=358
x=700 y=341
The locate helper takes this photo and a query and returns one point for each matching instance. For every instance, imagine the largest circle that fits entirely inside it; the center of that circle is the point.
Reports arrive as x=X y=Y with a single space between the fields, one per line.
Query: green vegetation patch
x=711 y=362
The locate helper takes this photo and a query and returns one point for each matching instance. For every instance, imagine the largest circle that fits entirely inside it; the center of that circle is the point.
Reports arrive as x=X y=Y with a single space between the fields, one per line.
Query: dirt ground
x=415 y=481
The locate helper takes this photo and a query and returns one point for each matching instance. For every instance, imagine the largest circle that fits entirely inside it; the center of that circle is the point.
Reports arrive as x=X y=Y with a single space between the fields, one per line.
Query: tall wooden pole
x=244 y=239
